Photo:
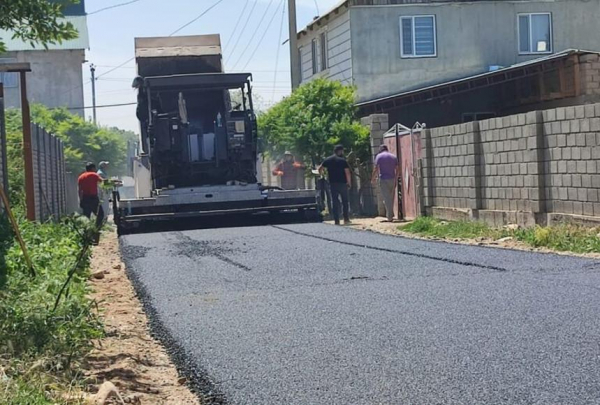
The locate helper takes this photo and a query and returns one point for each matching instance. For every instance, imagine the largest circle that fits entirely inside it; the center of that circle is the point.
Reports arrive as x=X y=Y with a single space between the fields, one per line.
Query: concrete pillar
x=378 y=125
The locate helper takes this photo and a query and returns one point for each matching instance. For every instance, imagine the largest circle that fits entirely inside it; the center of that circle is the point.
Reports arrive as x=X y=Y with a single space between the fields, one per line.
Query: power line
x=131 y=59
x=237 y=23
x=278 y=49
x=197 y=18
x=113 y=6
x=263 y=36
x=98 y=106
x=243 y=30
x=253 y=34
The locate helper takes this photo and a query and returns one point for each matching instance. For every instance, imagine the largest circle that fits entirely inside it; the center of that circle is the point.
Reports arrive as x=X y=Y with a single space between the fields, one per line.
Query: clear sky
x=112 y=33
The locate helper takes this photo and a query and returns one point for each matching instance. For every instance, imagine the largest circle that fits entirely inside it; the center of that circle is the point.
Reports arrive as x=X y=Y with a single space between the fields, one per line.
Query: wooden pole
x=27 y=151
x=15 y=227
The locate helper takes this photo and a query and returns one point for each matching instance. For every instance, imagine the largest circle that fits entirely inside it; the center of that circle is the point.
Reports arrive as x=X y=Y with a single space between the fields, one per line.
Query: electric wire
x=277 y=55
x=133 y=58
x=241 y=34
x=263 y=36
x=111 y=7
x=262 y=18
x=237 y=24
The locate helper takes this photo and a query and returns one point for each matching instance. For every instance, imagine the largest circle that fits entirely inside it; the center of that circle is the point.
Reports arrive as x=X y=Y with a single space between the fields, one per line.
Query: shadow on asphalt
x=224 y=221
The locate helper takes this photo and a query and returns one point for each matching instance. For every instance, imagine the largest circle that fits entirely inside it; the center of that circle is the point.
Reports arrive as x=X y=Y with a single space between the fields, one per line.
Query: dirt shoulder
x=379 y=225
x=128 y=356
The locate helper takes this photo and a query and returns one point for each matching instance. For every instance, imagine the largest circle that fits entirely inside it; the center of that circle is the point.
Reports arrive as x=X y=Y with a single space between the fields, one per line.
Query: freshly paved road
x=317 y=314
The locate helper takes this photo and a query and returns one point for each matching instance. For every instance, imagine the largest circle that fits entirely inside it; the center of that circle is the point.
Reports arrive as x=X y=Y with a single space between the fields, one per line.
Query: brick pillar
x=475 y=147
x=427 y=174
x=535 y=178
x=378 y=125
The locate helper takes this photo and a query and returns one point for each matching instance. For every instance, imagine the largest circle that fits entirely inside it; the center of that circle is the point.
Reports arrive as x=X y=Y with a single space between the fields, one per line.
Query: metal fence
x=3 y=161
x=49 y=174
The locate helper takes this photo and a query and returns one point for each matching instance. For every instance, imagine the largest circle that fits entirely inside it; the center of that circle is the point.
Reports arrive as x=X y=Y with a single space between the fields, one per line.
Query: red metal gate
x=406 y=145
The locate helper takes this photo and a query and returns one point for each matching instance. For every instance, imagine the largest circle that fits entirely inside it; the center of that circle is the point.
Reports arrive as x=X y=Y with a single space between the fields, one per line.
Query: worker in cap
x=289 y=170
x=102 y=170
x=103 y=194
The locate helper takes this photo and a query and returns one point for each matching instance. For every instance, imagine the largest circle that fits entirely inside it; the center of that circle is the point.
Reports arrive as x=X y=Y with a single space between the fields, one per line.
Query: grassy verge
x=41 y=348
x=562 y=238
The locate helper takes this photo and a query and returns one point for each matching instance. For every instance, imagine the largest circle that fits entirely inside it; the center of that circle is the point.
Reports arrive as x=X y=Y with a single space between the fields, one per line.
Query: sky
x=112 y=34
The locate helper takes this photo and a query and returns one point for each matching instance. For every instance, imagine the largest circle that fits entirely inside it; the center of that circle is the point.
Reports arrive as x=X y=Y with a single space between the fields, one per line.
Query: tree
x=310 y=122
x=35 y=21
x=83 y=142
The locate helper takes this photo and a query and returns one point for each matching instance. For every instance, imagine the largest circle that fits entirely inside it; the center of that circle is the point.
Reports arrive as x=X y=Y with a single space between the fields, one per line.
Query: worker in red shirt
x=88 y=194
x=288 y=170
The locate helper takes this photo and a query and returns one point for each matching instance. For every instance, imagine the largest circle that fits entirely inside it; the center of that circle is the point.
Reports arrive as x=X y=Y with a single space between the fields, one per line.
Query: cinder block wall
x=539 y=167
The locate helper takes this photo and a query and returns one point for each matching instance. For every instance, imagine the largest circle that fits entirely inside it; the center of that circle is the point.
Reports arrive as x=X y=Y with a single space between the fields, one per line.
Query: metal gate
x=405 y=143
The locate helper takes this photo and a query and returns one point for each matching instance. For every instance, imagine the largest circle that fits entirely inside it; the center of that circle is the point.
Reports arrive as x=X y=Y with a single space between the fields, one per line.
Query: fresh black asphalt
x=317 y=314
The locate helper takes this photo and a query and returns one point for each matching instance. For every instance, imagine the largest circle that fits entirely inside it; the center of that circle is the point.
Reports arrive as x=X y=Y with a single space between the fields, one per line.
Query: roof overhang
x=469 y=83
x=15 y=67
x=325 y=17
x=205 y=81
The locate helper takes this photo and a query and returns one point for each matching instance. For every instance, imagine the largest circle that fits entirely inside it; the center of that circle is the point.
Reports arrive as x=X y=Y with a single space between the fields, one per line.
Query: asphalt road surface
x=317 y=314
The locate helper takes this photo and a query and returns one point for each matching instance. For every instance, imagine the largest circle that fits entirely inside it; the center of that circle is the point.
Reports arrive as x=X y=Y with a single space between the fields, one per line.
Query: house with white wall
x=56 y=78
x=387 y=47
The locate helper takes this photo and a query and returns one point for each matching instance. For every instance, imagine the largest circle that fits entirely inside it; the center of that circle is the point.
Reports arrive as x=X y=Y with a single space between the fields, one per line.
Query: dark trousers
x=340 y=190
x=91 y=205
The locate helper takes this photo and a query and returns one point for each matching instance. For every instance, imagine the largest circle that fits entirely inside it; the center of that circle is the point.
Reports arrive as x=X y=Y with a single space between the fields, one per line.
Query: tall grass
x=40 y=347
x=563 y=238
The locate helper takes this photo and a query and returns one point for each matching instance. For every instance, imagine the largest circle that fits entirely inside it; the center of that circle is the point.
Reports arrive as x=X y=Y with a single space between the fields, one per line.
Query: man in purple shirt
x=386 y=168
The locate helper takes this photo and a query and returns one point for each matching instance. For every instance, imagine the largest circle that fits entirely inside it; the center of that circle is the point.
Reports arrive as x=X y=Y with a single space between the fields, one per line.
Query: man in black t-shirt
x=340 y=180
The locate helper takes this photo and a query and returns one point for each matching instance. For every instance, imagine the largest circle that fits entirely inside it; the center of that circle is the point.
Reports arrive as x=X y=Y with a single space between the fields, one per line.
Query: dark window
x=315 y=68
x=324 y=64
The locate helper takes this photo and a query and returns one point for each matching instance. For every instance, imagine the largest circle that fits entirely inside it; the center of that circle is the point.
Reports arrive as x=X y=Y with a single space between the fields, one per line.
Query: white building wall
x=339 y=49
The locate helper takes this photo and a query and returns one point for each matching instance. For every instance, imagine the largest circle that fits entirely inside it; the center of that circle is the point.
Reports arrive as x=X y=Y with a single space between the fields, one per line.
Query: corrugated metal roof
x=81 y=42
x=194 y=45
x=559 y=55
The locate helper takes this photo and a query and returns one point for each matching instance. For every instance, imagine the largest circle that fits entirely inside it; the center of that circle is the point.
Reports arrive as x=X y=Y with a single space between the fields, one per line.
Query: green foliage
x=84 y=141
x=562 y=238
x=429 y=226
x=37 y=342
x=317 y=116
x=37 y=22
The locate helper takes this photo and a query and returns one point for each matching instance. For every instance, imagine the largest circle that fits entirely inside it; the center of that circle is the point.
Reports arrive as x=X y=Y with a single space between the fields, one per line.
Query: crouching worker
x=88 y=194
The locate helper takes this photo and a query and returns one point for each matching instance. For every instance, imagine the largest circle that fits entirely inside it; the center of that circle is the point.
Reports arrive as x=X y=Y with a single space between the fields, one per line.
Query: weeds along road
x=317 y=314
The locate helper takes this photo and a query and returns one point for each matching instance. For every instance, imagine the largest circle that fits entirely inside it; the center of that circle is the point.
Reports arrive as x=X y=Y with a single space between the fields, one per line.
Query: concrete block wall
x=571 y=160
x=590 y=74
x=538 y=167
x=448 y=167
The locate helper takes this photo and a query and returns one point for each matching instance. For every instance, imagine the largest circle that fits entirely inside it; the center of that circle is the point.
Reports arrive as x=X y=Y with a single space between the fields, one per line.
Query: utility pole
x=93 y=72
x=294 y=60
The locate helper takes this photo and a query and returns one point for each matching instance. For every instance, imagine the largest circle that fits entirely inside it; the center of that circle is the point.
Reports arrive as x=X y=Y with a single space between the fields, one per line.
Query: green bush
x=38 y=343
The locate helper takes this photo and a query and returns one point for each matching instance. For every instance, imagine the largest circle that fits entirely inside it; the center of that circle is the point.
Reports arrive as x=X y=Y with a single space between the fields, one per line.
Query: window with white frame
x=535 y=33
x=418 y=36
x=324 y=61
x=314 y=55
